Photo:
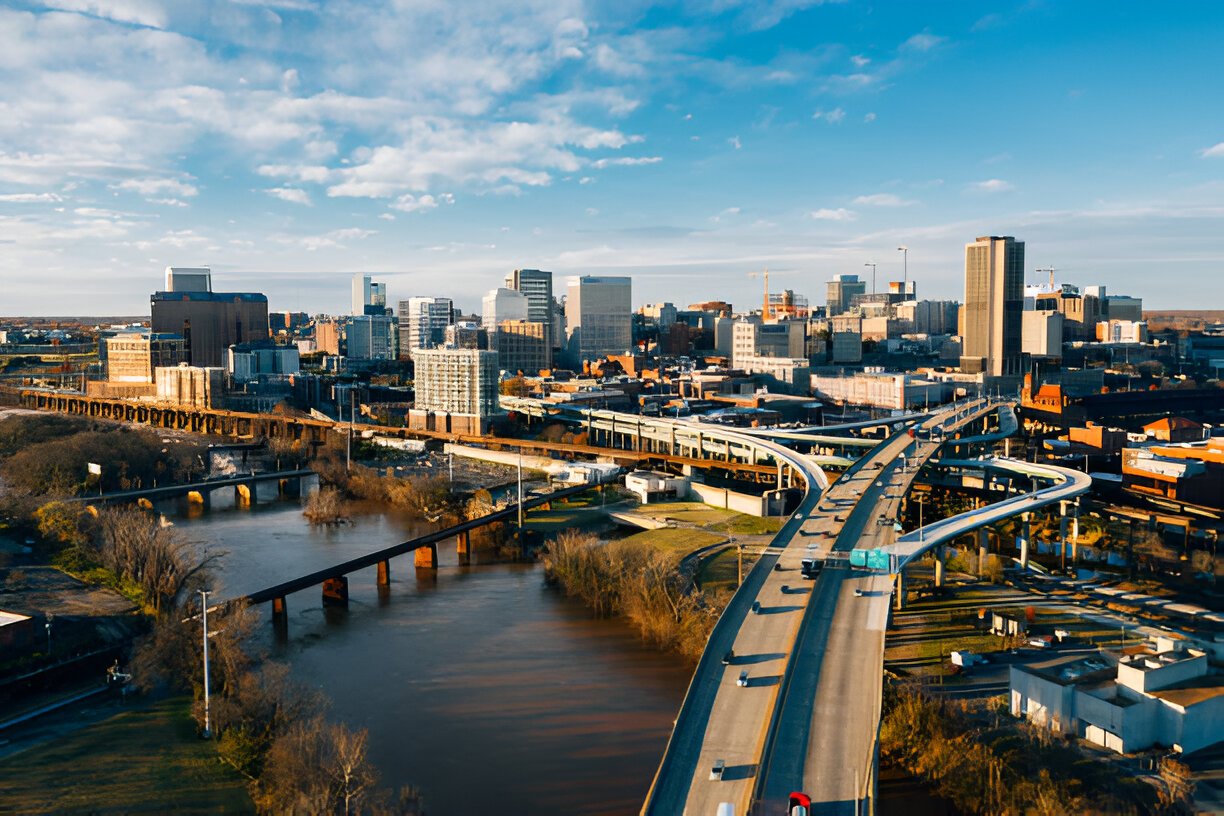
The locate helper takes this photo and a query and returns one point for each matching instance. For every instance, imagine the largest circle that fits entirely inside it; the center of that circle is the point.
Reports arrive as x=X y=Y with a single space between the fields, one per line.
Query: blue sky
x=437 y=145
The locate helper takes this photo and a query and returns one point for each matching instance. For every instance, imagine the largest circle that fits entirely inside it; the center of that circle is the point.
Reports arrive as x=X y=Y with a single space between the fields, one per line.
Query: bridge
x=334 y=580
x=244 y=485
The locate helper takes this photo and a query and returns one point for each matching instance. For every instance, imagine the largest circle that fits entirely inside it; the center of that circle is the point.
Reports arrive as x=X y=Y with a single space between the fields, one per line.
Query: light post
x=739 y=549
x=50 y=620
x=204 y=618
x=904 y=250
x=873 y=271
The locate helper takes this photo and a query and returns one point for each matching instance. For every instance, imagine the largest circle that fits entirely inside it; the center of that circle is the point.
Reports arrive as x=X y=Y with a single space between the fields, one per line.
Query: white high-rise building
x=422 y=323
x=457 y=381
x=502 y=304
x=598 y=316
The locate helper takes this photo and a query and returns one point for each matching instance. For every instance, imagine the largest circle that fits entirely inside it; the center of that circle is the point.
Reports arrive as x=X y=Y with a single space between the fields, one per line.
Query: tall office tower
x=188 y=279
x=371 y=337
x=663 y=315
x=598 y=316
x=422 y=323
x=369 y=298
x=522 y=346
x=537 y=285
x=209 y=322
x=840 y=291
x=458 y=381
x=991 y=319
x=502 y=304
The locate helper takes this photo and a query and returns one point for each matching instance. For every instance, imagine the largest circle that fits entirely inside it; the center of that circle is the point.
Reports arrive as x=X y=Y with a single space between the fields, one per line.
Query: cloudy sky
x=438 y=144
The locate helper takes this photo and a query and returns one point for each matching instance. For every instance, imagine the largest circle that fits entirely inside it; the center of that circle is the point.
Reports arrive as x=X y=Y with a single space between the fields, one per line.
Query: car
x=728 y=657
x=716 y=772
x=879 y=484
x=756 y=607
x=798 y=804
x=777 y=567
x=800 y=515
x=858 y=593
x=743 y=679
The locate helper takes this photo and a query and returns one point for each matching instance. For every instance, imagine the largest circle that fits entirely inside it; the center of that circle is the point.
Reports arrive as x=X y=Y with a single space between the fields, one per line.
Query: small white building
x=1126 y=704
x=653 y=485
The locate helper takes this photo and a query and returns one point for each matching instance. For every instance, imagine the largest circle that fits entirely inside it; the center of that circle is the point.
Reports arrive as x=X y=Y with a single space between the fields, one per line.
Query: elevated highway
x=747 y=728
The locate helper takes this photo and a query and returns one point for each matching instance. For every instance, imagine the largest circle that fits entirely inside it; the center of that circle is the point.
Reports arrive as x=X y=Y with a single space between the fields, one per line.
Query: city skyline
x=672 y=145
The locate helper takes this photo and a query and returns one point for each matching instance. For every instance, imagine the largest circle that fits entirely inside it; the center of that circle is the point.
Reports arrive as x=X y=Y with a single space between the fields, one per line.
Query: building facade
x=522 y=345
x=371 y=337
x=840 y=292
x=456 y=381
x=210 y=322
x=991 y=319
x=502 y=304
x=132 y=357
x=422 y=323
x=598 y=316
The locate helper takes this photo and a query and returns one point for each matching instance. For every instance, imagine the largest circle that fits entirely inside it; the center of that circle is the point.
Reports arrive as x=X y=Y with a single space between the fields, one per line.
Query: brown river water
x=481 y=686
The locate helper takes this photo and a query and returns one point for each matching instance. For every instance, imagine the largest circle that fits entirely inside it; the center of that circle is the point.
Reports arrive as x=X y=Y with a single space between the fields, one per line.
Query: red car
x=799 y=804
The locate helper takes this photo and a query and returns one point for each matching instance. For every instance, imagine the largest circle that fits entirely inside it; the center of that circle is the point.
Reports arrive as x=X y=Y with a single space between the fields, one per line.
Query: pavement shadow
x=748 y=660
x=736 y=772
x=777 y=610
x=762 y=682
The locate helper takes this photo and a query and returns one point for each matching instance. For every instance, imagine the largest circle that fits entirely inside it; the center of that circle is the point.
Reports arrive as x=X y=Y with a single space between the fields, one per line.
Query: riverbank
x=144 y=760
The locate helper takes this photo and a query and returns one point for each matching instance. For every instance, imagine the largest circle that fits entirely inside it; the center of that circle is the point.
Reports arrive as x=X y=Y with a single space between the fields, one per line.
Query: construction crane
x=1049 y=269
x=765 y=274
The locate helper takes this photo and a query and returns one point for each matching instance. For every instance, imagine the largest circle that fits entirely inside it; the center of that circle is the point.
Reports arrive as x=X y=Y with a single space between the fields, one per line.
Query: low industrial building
x=1166 y=698
x=652 y=486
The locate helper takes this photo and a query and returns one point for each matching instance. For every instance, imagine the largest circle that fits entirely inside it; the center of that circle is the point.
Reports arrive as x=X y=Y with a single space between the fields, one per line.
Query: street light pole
x=873 y=271
x=904 y=269
x=204 y=617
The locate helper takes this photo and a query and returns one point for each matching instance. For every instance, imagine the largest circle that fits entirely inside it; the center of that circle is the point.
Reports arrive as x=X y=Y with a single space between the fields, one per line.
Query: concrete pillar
x=244 y=494
x=939 y=566
x=290 y=488
x=983 y=547
x=335 y=591
x=463 y=546
x=1062 y=534
x=384 y=573
x=899 y=597
x=280 y=613
x=427 y=557
x=1023 y=540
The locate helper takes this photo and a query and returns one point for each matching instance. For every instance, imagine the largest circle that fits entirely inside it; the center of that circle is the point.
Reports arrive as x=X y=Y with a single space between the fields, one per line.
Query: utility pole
x=204 y=617
x=904 y=250
x=520 y=495
x=873 y=273
x=348 y=442
x=739 y=549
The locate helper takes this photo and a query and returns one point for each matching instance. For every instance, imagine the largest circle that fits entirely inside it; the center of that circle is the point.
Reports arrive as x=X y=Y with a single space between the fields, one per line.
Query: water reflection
x=477 y=683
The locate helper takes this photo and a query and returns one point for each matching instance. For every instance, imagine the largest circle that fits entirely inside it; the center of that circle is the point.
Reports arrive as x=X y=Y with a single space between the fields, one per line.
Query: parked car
x=798 y=804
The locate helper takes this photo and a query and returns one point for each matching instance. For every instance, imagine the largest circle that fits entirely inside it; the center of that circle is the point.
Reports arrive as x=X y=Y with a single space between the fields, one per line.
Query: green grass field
x=720 y=571
x=685 y=512
x=143 y=761
x=676 y=541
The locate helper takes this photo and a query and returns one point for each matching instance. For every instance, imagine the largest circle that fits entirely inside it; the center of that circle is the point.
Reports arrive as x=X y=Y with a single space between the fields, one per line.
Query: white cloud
x=28 y=198
x=882 y=200
x=387 y=217
x=991 y=186
x=167 y=202
x=833 y=117
x=869 y=118
x=735 y=142
x=290 y=194
x=140 y=12
x=729 y=212
x=333 y=239
x=839 y=214
x=860 y=61
x=1213 y=152
x=592 y=211
x=156 y=186
x=924 y=41
x=411 y=203
x=626 y=161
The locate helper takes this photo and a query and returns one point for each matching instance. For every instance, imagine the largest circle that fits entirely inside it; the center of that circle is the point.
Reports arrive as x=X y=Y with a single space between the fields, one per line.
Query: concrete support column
x=1023 y=540
x=427 y=557
x=463 y=547
x=983 y=547
x=384 y=573
x=939 y=566
x=899 y=597
x=335 y=591
x=1062 y=534
x=280 y=613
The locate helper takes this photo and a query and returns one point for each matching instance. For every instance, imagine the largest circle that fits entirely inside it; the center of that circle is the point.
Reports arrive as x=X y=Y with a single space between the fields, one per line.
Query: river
x=479 y=685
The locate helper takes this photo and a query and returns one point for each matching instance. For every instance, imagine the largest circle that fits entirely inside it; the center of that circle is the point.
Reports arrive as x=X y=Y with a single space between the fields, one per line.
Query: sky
x=437 y=145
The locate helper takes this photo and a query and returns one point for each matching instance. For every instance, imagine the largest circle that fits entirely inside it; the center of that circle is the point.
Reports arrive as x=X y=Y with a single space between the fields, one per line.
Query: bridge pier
x=201 y=497
x=335 y=591
x=384 y=573
x=1062 y=534
x=245 y=495
x=290 y=488
x=463 y=547
x=899 y=598
x=939 y=566
x=983 y=547
x=280 y=613
x=1023 y=540
x=426 y=557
